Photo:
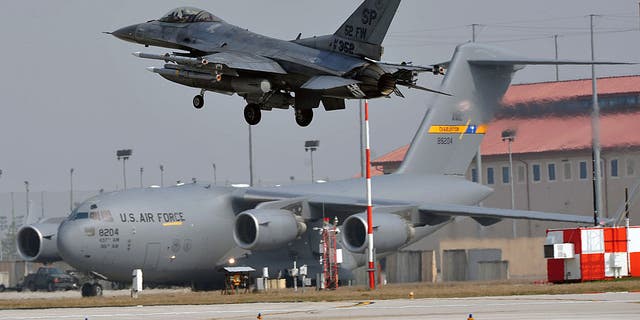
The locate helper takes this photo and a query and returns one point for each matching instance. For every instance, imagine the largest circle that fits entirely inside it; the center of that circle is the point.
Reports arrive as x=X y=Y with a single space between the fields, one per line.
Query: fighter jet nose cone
x=126 y=33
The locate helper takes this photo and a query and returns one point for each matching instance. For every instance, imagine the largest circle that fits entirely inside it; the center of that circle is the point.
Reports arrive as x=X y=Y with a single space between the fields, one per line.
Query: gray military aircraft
x=182 y=234
x=220 y=57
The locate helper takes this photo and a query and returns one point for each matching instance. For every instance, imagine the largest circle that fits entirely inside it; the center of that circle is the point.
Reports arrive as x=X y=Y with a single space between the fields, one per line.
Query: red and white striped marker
x=372 y=269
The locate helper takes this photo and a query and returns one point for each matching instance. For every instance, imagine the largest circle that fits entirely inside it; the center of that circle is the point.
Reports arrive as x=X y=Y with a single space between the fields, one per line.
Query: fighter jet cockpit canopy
x=188 y=15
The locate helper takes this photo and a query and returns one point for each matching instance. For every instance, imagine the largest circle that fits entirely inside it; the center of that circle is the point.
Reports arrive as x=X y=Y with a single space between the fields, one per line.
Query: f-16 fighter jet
x=271 y=73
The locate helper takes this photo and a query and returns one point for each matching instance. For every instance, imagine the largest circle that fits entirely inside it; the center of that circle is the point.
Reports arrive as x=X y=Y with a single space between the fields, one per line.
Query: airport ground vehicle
x=49 y=278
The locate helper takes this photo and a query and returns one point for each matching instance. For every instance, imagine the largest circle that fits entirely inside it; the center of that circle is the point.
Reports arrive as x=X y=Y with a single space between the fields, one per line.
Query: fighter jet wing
x=427 y=212
x=245 y=61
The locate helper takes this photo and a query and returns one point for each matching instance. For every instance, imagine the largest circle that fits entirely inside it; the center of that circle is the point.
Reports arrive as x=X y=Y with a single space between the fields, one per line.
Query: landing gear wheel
x=198 y=101
x=96 y=290
x=304 y=117
x=252 y=114
x=86 y=289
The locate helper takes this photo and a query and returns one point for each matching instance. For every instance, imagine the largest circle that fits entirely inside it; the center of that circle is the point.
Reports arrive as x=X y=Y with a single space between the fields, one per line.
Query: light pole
x=161 y=176
x=141 y=171
x=595 y=136
x=26 y=187
x=311 y=146
x=215 y=179
x=509 y=136
x=71 y=189
x=124 y=154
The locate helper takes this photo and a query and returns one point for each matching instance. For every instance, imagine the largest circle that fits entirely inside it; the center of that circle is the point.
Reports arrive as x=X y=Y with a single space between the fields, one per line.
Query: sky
x=70 y=96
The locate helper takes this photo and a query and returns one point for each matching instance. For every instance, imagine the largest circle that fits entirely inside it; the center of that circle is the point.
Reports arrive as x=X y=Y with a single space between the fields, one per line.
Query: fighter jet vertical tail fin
x=370 y=22
x=454 y=126
x=362 y=34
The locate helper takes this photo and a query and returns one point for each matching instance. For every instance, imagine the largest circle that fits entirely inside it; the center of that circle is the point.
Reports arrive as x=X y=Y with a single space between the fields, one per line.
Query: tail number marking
x=445 y=140
x=343 y=46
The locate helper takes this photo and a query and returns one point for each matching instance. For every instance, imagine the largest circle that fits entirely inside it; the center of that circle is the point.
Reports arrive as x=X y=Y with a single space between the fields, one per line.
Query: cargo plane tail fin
x=451 y=132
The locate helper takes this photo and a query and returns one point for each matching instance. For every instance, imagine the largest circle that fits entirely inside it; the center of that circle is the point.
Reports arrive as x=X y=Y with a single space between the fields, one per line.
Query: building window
x=566 y=169
x=521 y=174
x=490 y=179
x=631 y=167
x=536 y=172
x=614 y=168
x=505 y=175
x=583 y=170
x=551 y=170
x=474 y=175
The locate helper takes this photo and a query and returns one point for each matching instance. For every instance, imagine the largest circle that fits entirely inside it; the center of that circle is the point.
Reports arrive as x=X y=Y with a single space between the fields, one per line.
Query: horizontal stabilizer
x=413 y=86
x=327 y=82
x=516 y=61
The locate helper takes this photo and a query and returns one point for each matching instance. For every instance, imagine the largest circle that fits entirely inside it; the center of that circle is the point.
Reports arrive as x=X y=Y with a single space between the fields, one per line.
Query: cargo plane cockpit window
x=106 y=216
x=79 y=215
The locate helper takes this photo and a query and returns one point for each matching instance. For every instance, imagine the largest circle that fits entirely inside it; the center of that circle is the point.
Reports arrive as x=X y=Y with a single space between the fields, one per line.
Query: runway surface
x=548 y=307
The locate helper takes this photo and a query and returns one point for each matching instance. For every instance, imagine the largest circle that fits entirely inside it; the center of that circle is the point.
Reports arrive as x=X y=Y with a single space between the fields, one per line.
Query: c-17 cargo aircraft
x=182 y=234
x=219 y=57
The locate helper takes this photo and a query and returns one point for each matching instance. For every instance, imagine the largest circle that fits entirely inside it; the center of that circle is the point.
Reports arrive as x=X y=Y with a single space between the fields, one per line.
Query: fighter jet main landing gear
x=252 y=114
x=304 y=117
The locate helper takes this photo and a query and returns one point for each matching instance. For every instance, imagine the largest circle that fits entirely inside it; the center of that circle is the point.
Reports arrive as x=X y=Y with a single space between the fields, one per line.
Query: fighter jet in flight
x=182 y=234
x=271 y=73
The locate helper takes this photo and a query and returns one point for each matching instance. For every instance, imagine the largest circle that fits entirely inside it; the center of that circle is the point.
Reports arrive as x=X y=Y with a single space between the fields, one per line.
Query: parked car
x=49 y=278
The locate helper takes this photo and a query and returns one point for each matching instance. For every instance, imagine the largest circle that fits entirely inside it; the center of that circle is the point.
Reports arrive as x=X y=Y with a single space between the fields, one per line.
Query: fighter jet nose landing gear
x=304 y=117
x=198 y=101
x=252 y=114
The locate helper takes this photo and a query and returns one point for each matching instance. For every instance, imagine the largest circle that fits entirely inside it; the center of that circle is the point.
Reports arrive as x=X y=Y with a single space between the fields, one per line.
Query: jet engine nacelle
x=375 y=81
x=37 y=242
x=266 y=229
x=390 y=232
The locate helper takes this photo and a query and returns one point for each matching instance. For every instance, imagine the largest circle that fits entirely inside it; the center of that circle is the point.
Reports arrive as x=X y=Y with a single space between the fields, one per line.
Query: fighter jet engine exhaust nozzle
x=376 y=82
x=267 y=229
x=390 y=231
x=38 y=242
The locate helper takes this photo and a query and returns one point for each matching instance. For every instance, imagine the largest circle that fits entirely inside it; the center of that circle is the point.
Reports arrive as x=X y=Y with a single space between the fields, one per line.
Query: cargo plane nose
x=72 y=240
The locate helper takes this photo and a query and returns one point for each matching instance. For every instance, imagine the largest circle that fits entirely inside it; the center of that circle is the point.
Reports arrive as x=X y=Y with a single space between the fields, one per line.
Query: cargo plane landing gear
x=252 y=114
x=304 y=117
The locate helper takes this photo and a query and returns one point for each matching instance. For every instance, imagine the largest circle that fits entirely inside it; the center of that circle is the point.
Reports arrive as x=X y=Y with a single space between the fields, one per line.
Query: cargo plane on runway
x=182 y=234
x=219 y=57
